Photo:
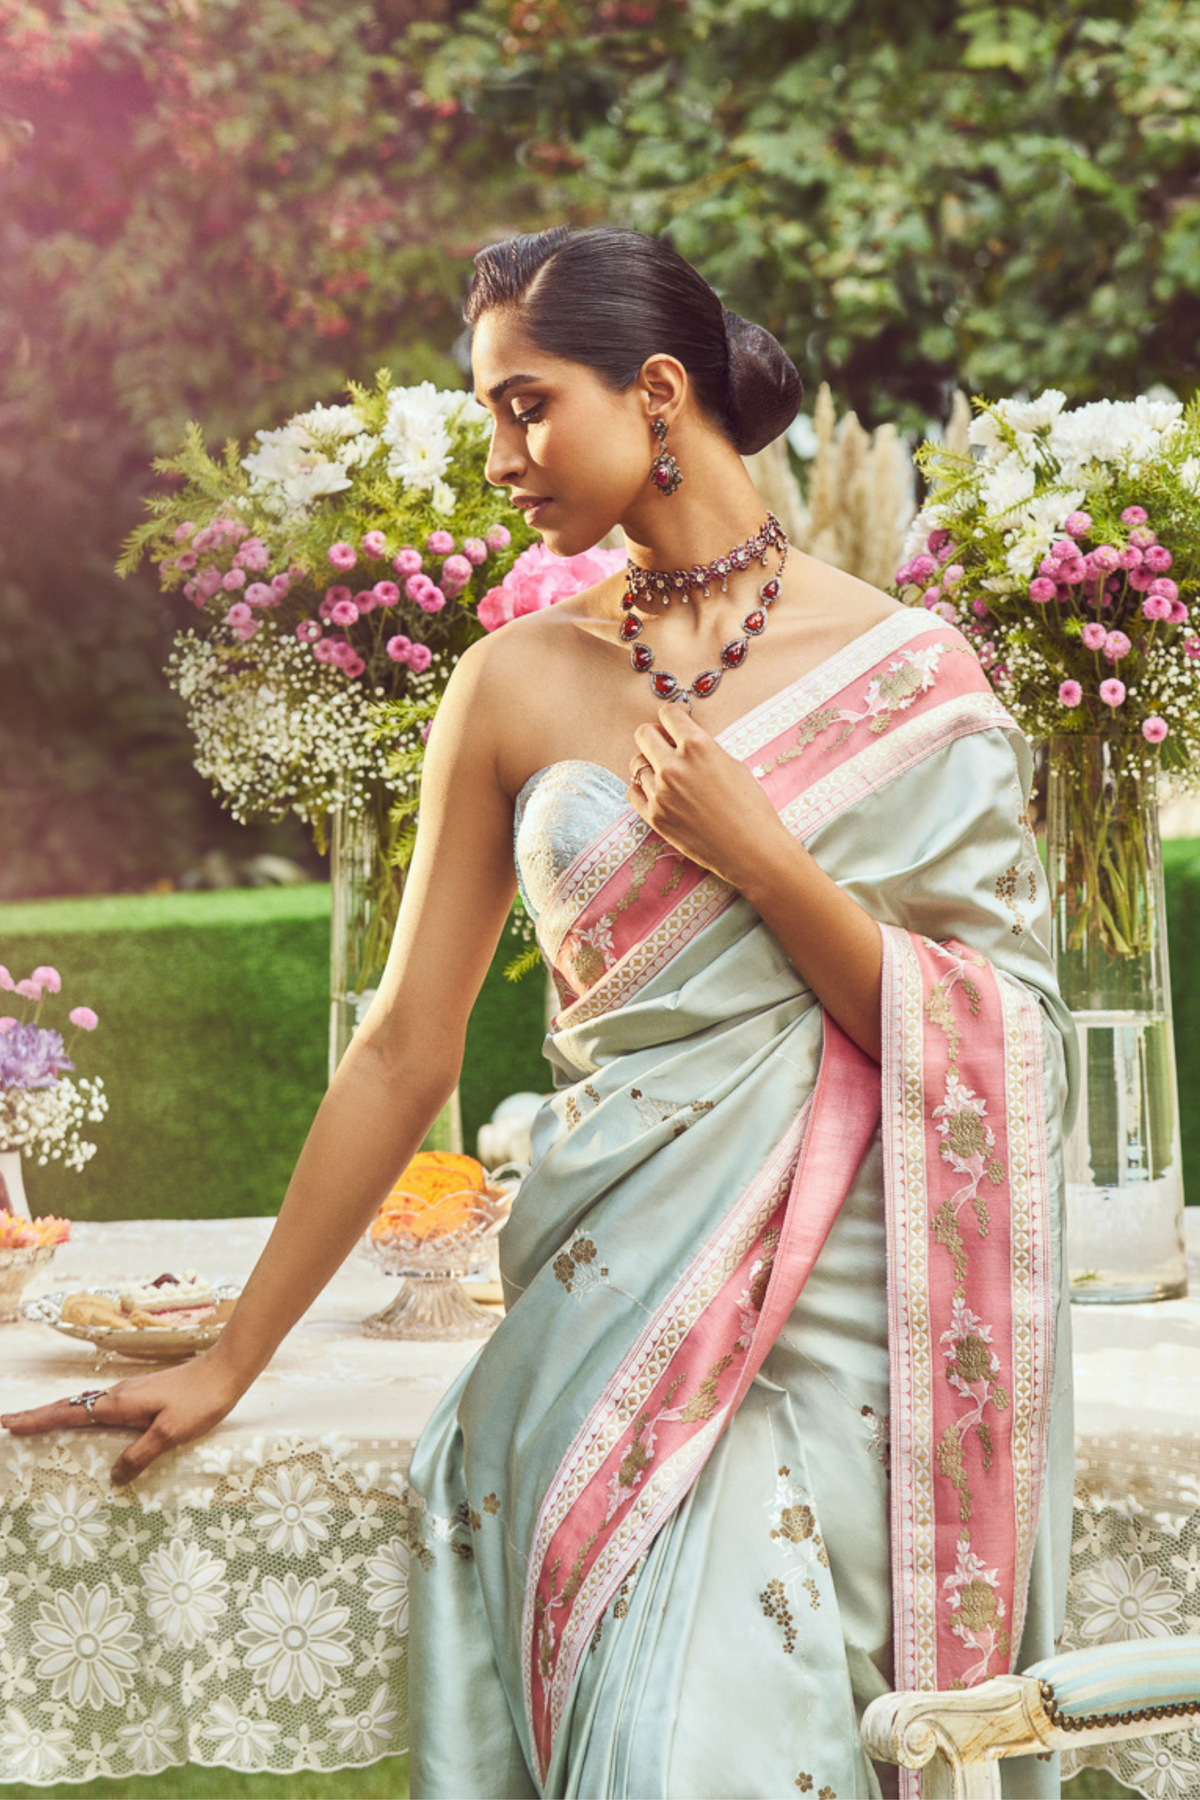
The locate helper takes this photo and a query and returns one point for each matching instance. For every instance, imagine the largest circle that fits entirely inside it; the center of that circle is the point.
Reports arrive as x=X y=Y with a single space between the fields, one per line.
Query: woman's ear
x=663 y=382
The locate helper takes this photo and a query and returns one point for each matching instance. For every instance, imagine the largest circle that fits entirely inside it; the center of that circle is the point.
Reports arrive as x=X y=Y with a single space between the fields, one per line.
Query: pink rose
x=1154 y=729
x=1070 y=693
x=398 y=648
x=246 y=632
x=407 y=561
x=192 y=592
x=431 y=599
x=83 y=1017
x=233 y=579
x=1134 y=515
x=538 y=578
x=239 y=614
x=374 y=544
x=227 y=528
x=946 y=609
x=1116 y=645
x=208 y=581
x=344 y=613
x=1156 y=606
x=497 y=537
x=386 y=593
x=1094 y=636
x=48 y=978
x=1077 y=524
x=439 y=543
x=342 y=556
x=1041 y=589
x=419 y=658
x=208 y=539
x=930 y=598
x=953 y=575
x=308 y=631
x=475 y=550
x=1112 y=692
x=259 y=594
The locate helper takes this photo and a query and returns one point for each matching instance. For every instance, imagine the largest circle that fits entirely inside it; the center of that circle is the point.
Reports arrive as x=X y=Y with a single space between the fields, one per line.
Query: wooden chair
x=1067 y=1702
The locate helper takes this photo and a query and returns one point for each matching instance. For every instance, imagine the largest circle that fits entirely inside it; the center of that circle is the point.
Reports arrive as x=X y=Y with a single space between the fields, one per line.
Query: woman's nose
x=505 y=460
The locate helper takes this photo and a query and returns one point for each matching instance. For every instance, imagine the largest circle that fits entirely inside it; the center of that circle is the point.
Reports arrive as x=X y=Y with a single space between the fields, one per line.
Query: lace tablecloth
x=244 y=1603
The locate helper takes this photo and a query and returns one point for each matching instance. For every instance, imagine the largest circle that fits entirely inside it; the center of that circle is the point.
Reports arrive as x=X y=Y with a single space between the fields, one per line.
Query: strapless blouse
x=560 y=810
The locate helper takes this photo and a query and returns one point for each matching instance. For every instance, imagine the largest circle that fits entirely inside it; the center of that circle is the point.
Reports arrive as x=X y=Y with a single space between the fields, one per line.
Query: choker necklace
x=658 y=584
x=667 y=686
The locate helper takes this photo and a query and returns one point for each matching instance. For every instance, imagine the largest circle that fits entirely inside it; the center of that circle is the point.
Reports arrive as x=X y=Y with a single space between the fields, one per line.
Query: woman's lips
x=533 y=509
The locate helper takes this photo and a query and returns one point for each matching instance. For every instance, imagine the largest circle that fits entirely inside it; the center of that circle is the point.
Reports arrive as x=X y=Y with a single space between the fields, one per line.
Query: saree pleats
x=774 y=1420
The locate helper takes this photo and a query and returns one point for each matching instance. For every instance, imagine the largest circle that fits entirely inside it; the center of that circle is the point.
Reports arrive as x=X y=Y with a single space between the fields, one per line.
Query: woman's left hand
x=704 y=802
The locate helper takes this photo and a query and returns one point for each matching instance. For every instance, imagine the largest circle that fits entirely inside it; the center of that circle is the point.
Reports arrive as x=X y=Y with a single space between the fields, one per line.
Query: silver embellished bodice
x=560 y=810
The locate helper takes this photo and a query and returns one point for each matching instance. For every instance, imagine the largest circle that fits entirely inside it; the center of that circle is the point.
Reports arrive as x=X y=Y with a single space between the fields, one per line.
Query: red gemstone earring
x=665 y=472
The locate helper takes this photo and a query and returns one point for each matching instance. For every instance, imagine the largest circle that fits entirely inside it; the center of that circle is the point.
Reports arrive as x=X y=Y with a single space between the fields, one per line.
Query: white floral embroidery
x=1126 y=1599
x=72 y=1526
x=150 y=1743
x=368 y=1734
x=295 y=1638
x=86 y=1647
x=292 y=1512
x=186 y=1592
x=387 y=1584
x=974 y=1365
x=969 y=1141
x=1160 y=1770
x=908 y=675
x=242 y=1742
x=32 y=1752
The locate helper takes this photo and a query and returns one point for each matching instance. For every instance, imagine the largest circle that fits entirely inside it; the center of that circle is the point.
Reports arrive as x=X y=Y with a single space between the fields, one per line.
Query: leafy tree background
x=221 y=211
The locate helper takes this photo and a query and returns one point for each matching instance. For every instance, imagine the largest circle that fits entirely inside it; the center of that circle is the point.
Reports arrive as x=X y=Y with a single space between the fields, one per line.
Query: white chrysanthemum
x=72 y=1526
x=443 y=500
x=295 y=1638
x=186 y=1592
x=984 y=434
x=1007 y=484
x=1032 y=415
x=1036 y=524
x=84 y=1646
x=417 y=462
x=387 y=1585
x=291 y=1512
x=150 y=1743
x=370 y=1733
x=240 y=1741
x=33 y=1752
x=1189 y=473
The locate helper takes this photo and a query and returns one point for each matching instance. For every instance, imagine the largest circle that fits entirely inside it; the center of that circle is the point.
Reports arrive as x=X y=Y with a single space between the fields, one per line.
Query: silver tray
x=150 y=1343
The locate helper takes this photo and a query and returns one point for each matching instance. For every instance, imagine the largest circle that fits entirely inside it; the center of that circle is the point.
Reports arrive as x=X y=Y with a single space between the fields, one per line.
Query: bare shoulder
x=857 y=602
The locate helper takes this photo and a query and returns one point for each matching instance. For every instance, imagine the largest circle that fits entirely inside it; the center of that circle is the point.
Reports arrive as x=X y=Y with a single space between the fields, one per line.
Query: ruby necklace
x=667 y=686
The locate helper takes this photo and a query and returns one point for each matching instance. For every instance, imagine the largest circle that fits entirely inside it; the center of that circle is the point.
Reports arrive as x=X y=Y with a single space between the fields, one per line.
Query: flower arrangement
x=41 y=1108
x=1067 y=549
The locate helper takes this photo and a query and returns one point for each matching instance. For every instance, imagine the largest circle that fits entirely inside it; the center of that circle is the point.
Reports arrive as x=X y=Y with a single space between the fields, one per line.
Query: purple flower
x=31 y=1057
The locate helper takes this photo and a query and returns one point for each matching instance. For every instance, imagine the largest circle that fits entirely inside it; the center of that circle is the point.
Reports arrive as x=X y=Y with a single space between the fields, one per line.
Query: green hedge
x=214 y=1020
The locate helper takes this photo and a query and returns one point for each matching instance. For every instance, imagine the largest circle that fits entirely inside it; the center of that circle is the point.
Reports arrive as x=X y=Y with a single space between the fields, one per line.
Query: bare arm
x=712 y=809
x=399 y=1070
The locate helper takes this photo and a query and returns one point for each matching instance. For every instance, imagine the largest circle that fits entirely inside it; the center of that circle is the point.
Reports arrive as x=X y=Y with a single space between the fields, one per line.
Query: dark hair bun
x=765 y=389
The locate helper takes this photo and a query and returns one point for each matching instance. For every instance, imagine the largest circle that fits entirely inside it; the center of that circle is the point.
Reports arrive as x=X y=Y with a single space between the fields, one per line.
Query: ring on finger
x=87 y=1400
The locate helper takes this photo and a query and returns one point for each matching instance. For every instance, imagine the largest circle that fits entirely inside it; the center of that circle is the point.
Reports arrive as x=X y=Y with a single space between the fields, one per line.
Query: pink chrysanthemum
x=1154 y=729
x=342 y=556
x=1112 y=692
x=1070 y=693
x=1093 y=636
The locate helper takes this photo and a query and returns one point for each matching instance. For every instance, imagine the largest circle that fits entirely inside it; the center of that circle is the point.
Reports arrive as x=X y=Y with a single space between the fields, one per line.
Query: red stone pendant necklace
x=667 y=686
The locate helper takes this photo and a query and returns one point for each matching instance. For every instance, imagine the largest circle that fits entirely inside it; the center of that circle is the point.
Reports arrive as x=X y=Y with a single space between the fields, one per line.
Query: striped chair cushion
x=1112 y=1683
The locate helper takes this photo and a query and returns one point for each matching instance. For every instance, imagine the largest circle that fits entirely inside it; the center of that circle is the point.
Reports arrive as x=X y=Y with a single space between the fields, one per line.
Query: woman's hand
x=168 y=1408
x=703 y=801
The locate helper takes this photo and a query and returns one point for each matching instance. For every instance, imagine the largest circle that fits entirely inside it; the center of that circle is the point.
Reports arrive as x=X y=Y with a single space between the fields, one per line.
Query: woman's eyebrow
x=502 y=387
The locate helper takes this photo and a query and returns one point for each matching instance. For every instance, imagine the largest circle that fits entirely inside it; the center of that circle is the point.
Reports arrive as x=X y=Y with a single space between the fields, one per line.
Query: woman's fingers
x=62 y=1415
x=140 y=1454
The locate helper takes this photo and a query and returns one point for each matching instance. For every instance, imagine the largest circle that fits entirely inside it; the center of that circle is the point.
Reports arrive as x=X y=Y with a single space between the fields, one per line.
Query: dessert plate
x=148 y=1343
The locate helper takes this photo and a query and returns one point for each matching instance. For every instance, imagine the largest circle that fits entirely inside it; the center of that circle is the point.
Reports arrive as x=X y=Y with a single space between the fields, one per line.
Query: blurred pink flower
x=1157 y=559
x=280 y=585
x=1112 y=691
x=456 y=569
x=1116 y=645
x=497 y=537
x=1104 y=557
x=1130 y=557
x=7 y=1024
x=247 y=631
x=953 y=575
x=1179 y=613
x=7 y=984
x=366 y=600
x=937 y=538
x=342 y=556
x=184 y=531
x=1070 y=693
x=538 y=578
x=1156 y=606
x=439 y=543
x=1154 y=729
x=1077 y=524
x=353 y=666
x=1143 y=537
x=208 y=581
x=324 y=648
x=922 y=567
x=375 y=544
x=253 y=554
x=475 y=550
x=83 y=1017
x=930 y=597
x=28 y=990
x=186 y=561
x=259 y=594
x=48 y=978
x=308 y=631
x=426 y=728
x=208 y=539
x=419 y=658
x=1134 y=515
x=416 y=585
x=1093 y=636
x=239 y=614
x=1192 y=648
x=233 y=579
x=431 y=599
x=344 y=613
x=407 y=561
x=386 y=593
x=398 y=647
x=1064 y=547
x=946 y=609
x=192 y=592
x=1041 y=589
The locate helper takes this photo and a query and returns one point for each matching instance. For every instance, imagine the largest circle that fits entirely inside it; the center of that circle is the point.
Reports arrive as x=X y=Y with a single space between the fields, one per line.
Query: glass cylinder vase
x=1124 y=1174
x=366 y=888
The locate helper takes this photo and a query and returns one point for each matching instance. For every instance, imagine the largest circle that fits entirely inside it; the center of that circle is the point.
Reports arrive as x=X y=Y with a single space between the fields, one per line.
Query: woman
x=651 y=1522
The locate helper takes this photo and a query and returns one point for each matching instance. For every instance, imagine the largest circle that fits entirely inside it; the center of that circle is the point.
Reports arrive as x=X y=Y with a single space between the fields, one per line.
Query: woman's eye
x=529 y=417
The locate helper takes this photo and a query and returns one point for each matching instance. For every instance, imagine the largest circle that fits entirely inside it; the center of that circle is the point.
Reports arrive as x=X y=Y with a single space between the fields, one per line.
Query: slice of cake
x=169 y=1300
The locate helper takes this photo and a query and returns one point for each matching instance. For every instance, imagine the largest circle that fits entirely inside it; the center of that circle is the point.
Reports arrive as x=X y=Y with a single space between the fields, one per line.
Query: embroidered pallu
x=699 y=1334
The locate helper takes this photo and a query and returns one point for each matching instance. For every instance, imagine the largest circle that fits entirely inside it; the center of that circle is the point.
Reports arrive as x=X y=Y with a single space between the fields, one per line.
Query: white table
x=244 y=1603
